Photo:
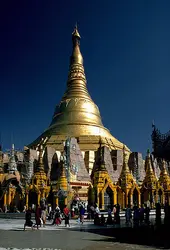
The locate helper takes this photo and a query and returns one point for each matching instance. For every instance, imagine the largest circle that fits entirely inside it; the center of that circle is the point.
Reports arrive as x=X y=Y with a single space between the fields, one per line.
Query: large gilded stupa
x=77 y=115
x=77 y=159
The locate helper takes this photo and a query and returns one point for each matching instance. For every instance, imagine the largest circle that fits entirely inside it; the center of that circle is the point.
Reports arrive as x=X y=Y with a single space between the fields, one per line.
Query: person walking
x=66 y=213
x=158 y=214
x=28 y=221
x=43 y=215
x=57 y=217
x=147 y=213
x=114 y=213
x=38 y=216
x=128 y=215
x=141 y=214
x=82 y=212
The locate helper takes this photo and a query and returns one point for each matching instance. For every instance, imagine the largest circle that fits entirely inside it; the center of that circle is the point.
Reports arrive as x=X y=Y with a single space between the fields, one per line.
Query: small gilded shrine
x=77 y=159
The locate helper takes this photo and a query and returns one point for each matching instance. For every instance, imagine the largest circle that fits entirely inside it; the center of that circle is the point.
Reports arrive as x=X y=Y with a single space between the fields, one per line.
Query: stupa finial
x=75 y=33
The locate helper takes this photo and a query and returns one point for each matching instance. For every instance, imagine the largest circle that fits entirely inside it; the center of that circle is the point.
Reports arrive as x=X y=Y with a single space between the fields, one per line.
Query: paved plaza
x=77 y=237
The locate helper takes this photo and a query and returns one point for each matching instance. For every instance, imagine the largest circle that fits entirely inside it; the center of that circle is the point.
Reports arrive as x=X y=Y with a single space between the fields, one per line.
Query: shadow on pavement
x=147 y=236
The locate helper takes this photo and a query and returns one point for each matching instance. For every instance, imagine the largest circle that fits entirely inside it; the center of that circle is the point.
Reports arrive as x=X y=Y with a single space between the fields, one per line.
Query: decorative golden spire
x=126 y=177
x=164 y=171
x=40 y=164
x=62 y=180
x=164 y=176
x=76 y=56
x=77 y=115
x=149 y=169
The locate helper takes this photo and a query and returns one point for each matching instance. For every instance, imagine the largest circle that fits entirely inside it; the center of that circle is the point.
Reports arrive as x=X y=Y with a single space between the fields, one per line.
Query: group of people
x=113 y=216
x=136 y=216
x=57 y=216
x=40 y=217
x=140 y=215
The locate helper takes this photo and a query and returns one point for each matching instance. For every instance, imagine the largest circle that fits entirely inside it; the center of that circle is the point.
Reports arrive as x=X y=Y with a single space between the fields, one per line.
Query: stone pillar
x=168 y=198
x=12 y=196
x=102 y=197
x=163 y=198
x=43 y=194
x=153 y=200
x=56 y=201
x=98 y=196
x=139 y=199
x=26 y=199
x=9 y=197
x=5 y=198
x=156 y=198
x=131 y=199
x=65 y=201
x=126 y=198
x=123 y=200
x=39 y=198
x=115 y=197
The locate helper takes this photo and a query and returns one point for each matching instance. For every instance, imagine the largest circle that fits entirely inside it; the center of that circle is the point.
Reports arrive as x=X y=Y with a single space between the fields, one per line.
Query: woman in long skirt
x=28 y=221
x=38 y=216
x=66 y=213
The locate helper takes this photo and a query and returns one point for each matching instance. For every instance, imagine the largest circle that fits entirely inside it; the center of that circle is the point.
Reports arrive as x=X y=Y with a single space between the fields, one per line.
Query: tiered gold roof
x=77 y=115
x=164 y=177
x=62 y=183
x=40 y=175
x=126 y=177
x=150 y=180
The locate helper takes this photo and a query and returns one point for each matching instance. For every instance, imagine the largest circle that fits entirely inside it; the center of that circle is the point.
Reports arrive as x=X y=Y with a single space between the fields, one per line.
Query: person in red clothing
x=38 y=216
x=66 y=213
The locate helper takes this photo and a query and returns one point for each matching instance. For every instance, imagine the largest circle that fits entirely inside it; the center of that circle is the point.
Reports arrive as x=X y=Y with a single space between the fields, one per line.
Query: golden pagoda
x=150 y=182
x=77 y=115
x=39 y=183
x=128 y=184
x=100 y=169
x=102 y=183
x=163 y=190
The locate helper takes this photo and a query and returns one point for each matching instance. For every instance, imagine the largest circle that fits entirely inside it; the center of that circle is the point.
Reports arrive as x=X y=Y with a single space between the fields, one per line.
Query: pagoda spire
x=149 y=169
x=63 y=179
x=126 y=176
x=76 y=82
x=164 y=176
x=164 y=171
x=77 y=115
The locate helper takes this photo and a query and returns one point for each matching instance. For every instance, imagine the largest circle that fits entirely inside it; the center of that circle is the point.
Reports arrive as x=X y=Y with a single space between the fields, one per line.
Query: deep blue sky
x=126 y=49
